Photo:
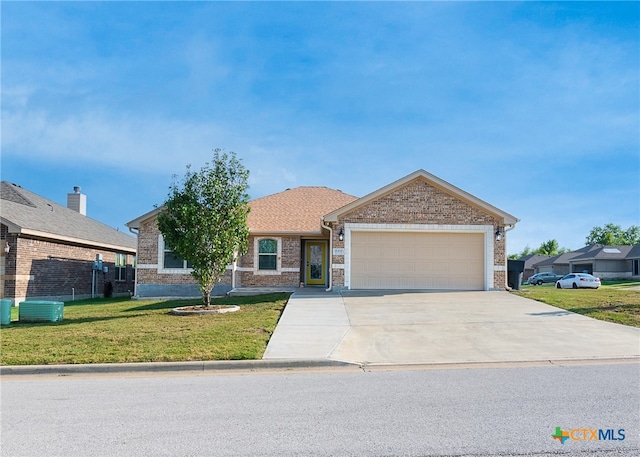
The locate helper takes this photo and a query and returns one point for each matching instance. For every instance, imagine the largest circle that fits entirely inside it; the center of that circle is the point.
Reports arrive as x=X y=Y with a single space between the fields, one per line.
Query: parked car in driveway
x=539 y=278
x=578 y=281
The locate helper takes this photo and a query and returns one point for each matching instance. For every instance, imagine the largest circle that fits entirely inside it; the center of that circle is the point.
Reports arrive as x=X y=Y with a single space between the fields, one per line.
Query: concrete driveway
x=440 y=327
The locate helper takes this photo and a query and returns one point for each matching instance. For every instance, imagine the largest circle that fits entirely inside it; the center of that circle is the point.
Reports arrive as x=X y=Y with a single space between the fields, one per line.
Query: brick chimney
x=77 y=201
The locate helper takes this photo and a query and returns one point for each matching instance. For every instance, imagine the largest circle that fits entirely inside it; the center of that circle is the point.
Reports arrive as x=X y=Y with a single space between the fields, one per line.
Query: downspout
x=234 y=266
x=329 y=255
x=135 y=231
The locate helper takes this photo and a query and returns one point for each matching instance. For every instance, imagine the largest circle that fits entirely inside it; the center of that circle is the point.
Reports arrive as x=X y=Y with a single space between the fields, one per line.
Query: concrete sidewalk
x=396 y=327
x=313 y=323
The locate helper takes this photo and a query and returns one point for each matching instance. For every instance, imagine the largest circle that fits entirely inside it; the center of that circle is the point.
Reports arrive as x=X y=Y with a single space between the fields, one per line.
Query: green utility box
x=5 y=311
x=40 y=311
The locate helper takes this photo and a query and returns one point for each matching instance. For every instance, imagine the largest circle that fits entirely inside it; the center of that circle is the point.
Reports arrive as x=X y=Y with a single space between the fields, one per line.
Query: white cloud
x=96 y=137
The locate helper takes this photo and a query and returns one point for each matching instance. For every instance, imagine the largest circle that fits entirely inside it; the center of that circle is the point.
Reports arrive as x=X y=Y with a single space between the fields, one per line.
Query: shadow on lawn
x=551 y=313
x=240 y=301
x=169 y=304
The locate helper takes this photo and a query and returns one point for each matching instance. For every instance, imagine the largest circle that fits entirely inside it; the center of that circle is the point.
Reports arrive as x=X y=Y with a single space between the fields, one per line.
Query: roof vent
x=77 y=201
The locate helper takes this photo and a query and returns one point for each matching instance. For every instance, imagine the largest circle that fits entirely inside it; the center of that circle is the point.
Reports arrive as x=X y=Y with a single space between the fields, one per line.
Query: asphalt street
x=337 y=412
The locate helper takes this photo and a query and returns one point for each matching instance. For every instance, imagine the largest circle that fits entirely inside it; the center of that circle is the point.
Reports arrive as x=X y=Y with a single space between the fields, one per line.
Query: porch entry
x=315 y=263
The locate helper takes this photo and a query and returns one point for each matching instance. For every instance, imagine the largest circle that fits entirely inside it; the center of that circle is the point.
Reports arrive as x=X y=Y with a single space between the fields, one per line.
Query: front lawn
x=124 y=330
x=614 y=301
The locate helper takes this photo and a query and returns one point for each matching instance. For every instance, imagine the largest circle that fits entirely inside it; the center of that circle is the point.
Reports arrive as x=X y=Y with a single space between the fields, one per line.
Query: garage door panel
x=416 y=260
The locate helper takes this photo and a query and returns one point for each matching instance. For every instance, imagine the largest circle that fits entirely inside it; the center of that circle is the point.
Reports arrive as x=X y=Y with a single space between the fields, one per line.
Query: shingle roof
x=563 y=258
x=296 y=210
x=604 y=253
x=533 y=259
x=634 y=253
x=28 y=213
x=591 y=252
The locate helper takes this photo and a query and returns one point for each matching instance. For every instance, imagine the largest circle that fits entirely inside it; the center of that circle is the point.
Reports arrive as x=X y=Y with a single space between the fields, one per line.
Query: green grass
x=124 y=330
x=614 y=301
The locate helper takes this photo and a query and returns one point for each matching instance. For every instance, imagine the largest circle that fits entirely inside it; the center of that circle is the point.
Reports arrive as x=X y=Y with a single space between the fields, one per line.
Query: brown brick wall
x=148 y=243
x=290 y=258
x=284 y=279
x=36 y=268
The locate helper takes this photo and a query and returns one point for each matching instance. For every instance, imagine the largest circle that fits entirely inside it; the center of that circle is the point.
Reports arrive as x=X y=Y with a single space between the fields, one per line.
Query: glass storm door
x=316 y=271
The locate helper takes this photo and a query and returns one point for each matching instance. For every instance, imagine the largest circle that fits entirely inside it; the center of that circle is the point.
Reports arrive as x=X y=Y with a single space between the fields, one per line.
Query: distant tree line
x=608 y=235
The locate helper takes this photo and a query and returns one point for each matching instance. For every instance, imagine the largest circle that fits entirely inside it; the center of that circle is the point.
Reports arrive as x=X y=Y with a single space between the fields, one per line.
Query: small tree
x=549 y=247
x=614 y=235
x=204 y=220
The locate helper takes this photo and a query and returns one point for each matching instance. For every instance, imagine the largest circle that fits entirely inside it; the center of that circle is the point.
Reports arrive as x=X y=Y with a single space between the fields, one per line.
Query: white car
x=578 y=281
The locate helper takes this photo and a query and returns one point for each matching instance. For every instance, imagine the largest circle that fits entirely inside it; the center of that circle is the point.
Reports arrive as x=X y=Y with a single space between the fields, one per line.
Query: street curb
x=252 y=366
x=168 y=367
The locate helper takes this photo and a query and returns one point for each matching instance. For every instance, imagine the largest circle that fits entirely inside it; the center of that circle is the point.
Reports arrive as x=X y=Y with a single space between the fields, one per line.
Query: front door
x=316 y=271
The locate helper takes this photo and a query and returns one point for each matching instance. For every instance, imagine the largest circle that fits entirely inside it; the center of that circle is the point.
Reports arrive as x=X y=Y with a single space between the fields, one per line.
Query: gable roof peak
x=434 y=181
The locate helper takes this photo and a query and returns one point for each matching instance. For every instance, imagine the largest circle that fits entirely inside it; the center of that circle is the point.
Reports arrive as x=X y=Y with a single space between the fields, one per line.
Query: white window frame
x=256 y=256
x=161 y=268
x=119 y=267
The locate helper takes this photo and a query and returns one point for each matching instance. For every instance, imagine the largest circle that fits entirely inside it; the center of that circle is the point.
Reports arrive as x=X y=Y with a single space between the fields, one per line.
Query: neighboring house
x=559 y=264
x=529 y=262
x=634 y=257
x=606 y=262
x=419 y=232
x=48 y=251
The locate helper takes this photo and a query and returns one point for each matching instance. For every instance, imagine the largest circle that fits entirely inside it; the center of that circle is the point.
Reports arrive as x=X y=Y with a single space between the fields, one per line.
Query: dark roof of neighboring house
x=26 y=213
x=563 y=258
x=297 y=210
x=600 y=252
x=592 y=252
x=532 y=259
x=634 y=253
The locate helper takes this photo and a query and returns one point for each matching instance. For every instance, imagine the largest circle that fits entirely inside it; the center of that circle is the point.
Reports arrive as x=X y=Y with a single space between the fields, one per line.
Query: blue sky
x=532 y=107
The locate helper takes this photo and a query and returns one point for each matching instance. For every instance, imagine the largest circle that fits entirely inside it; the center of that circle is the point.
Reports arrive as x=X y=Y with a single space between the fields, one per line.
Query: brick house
x=48 y=251
x=419 y=232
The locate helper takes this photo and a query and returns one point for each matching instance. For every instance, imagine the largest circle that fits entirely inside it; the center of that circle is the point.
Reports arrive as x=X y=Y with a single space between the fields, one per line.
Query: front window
x=172 y=260
x=267 y=254
x=121 y=267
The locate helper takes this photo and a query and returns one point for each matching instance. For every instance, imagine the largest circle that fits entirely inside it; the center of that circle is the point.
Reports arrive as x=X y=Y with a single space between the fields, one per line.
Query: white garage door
x=417 y=260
